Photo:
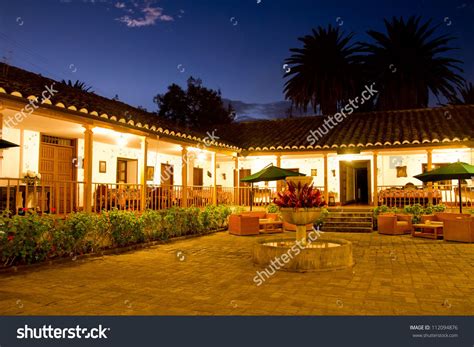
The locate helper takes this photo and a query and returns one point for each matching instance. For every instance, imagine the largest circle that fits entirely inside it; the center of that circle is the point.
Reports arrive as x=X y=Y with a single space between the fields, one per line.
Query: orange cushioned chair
x=394 y=224
x=460 y=229
x=243 y=225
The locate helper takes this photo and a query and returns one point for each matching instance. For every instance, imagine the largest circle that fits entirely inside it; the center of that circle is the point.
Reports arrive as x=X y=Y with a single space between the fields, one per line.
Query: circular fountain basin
x=319 y=255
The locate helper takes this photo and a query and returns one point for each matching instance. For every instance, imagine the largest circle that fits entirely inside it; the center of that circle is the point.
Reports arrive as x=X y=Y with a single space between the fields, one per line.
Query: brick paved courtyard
x=212 y=275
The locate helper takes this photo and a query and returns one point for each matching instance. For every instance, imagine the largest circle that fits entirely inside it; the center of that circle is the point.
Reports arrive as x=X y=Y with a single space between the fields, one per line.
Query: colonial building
x=93 y=153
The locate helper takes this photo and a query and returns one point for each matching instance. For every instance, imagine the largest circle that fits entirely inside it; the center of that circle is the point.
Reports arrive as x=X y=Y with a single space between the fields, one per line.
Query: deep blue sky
x=56 y=38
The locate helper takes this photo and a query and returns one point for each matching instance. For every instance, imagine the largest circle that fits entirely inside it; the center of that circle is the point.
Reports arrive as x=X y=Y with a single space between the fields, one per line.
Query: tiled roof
x=372 y=130
x=24 y=84
x=366 y=130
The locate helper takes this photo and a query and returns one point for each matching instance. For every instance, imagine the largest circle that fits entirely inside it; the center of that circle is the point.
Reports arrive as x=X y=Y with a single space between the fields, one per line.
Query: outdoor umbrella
x=452 y=171
x=269 y=173
x=6 y=144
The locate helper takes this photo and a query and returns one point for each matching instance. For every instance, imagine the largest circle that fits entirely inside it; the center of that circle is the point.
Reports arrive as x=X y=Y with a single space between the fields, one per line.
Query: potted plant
x=31 y=177
x=300 y=204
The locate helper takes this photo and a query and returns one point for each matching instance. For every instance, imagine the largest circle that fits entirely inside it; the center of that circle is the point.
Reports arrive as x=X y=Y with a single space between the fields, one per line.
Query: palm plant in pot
x=300 y=204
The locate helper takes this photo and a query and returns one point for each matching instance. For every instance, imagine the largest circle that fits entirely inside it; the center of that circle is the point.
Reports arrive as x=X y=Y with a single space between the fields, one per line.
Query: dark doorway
x=362 y=186
x=354 y=180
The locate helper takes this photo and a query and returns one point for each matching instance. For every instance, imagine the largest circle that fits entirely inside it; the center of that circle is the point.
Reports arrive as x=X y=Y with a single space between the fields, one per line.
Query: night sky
x=136 y=49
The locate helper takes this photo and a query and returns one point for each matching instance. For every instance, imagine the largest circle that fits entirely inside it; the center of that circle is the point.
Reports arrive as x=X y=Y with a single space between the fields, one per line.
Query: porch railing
x=447 y=194
x=62 y=197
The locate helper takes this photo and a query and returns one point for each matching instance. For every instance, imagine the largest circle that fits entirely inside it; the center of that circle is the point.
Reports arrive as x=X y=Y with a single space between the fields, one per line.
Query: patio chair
x=394 y=224
x=460 y=229
x=243 y=225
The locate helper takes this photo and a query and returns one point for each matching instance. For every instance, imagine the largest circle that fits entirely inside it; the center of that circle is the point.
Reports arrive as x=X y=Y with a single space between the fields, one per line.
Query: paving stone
x=393 y=275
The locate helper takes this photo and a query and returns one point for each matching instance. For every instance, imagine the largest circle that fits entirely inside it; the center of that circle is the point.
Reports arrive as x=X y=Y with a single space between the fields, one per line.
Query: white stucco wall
x=387 y=174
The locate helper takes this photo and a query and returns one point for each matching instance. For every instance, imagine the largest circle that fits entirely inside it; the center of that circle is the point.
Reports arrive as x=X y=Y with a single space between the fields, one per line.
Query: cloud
x=150 y=16
x=119 y=5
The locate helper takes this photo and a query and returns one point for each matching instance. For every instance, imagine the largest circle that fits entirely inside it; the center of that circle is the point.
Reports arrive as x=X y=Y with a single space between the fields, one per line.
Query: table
x=268 y=226
x=436 y=230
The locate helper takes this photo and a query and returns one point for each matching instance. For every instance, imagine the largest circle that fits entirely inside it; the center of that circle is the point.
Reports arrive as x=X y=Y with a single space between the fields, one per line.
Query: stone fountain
x=303 y=252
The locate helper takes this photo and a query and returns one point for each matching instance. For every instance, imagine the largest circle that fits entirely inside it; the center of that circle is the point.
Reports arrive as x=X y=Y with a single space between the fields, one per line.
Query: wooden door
x=198 y=179
x=167 y=176
x=56 y=167
x=342 y=182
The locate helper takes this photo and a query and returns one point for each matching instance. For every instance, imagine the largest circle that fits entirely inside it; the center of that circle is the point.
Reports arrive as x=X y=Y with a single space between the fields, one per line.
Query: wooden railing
x=63 y=197
x=399 y=196
x=19 y=195
x=106 y=196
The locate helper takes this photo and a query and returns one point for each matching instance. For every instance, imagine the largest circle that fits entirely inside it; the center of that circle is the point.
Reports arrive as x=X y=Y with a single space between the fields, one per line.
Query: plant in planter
x=31 y=177
x=300 y=204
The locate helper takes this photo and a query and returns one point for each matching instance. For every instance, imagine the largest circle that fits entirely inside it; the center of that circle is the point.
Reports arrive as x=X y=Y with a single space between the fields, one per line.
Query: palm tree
x=321 y=74
x=78 y=85
x=466 y=95
x=407 y=64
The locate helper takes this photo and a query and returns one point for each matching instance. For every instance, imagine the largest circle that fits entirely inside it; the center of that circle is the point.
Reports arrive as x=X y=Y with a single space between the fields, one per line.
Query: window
x=127 y=170
x=121 y=171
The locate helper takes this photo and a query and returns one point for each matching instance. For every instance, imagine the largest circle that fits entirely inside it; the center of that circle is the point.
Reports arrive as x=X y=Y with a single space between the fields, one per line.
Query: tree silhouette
x=322 y=73
x=407 y=62
x=195 y=107
x=465 y=97
x=78 y=85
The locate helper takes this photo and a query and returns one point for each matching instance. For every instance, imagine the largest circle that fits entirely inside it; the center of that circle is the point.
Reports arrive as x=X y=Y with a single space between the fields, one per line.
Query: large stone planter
x=300 y=217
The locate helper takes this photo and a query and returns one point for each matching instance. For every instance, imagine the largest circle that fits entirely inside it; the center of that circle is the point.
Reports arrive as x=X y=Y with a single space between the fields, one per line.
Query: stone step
x=350 y=214
x=349 y=210
x=347 y=229
x=347 y=225
x=344 y=219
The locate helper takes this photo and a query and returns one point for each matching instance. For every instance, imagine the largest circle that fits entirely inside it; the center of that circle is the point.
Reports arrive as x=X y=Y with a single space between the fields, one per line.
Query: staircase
x=347 y=219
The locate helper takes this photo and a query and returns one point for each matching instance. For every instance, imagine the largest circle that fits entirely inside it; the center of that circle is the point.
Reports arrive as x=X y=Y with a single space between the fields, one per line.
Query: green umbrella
x=454 y=171
x=269 y=173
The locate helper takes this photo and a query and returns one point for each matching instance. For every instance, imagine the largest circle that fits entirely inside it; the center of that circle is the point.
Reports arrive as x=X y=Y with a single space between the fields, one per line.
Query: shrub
x=77 y=234
x=25 y=239
x=237 y=209
x=125 y=228
x=272 y=208
x=33 y=238
x=152 y=225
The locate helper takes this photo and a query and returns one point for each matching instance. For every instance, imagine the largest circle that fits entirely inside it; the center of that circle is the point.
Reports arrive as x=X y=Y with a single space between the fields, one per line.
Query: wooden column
x=144 y=149
x=88 y=151
x=278 y=163
x=376 y=192
x=214 y=177
x=429 y=167
x=326 y=184
x=20 y=162
x=236 y=181
x=184 y=176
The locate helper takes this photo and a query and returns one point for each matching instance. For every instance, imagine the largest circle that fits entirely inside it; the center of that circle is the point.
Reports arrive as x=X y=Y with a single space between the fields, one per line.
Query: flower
x=299 y=196
x=10 y=237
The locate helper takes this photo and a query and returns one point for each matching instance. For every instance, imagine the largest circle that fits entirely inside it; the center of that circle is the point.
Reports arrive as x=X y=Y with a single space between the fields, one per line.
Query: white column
x=88 y=154
x=144 y=150
x=214 y=178
x=184 y=176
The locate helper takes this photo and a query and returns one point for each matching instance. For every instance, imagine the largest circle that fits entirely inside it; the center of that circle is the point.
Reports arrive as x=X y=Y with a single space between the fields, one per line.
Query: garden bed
x=31 y=239
x=101 y=253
